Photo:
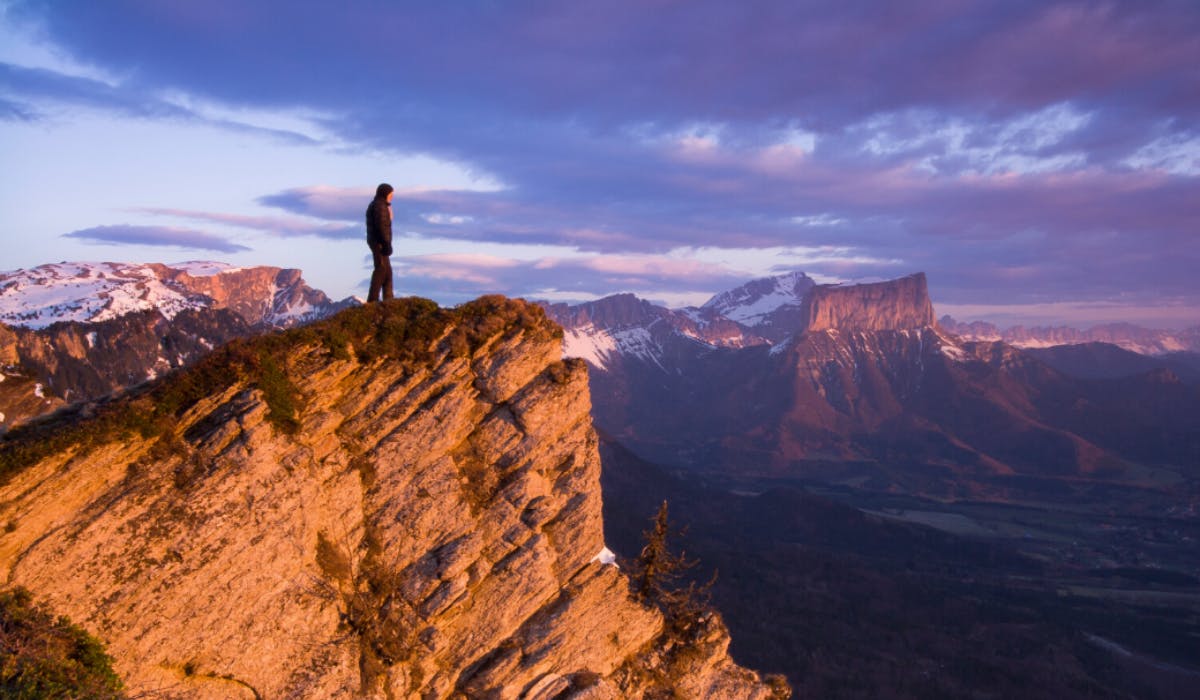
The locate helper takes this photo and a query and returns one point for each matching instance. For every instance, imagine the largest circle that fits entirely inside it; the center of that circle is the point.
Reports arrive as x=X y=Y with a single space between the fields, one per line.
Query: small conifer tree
x=656 y=578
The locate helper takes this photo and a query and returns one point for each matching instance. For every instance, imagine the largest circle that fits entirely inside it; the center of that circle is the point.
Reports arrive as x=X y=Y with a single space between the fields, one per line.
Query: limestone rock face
x=263 y=296
x=400 y=502
x=900 y=304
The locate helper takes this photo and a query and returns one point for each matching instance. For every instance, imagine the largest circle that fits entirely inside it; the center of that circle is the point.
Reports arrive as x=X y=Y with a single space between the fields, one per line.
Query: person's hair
x=383 y=190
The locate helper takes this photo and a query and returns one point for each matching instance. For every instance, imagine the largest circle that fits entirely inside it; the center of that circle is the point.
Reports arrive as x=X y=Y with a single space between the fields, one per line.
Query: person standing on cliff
x=379 y=240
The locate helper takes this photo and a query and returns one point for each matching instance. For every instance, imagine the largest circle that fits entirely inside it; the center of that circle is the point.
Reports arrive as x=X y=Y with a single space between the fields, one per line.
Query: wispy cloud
x=124 y=234
x=276 y=226
x=17 y=111
x=40 y=85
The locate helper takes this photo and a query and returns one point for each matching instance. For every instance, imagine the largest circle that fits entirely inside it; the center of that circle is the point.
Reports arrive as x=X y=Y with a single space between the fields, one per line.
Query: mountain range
x=264 y=297
x=892 y=510
x=1144 y=341
x=859 y=384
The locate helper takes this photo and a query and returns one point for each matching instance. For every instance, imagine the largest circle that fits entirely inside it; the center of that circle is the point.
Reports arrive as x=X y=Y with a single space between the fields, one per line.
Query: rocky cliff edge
x=400 y=501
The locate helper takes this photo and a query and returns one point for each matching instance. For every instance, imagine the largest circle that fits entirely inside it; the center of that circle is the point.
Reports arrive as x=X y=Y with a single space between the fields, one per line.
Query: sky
x=1038 y=160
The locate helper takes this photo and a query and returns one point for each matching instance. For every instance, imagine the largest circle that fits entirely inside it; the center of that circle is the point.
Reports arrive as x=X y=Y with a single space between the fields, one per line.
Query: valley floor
x=853 y=593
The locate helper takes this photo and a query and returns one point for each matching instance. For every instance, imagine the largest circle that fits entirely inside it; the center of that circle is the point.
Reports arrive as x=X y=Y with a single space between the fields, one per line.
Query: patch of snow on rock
x=301 y=310
x=606 y=556
x=204 y=268
x=953 y=352
x=639 y=343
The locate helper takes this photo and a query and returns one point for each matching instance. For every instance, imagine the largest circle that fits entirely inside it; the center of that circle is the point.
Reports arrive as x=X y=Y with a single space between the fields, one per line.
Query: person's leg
x=377 y=275
x=387 y=277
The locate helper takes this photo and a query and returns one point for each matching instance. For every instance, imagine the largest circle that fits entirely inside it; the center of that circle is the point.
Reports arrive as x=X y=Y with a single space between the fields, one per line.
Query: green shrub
x=281 y=395
x=44 y=657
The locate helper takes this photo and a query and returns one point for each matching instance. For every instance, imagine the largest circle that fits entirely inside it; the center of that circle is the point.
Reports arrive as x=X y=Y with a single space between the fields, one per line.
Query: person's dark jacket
x=379 y=226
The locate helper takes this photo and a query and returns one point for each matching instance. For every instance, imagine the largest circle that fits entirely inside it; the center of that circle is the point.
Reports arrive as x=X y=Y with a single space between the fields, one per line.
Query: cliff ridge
x=398 y=501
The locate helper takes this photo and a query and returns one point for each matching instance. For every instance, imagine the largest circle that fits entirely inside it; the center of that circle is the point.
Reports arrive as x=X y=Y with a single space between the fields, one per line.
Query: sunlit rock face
x=900 y=304
x=399 y=501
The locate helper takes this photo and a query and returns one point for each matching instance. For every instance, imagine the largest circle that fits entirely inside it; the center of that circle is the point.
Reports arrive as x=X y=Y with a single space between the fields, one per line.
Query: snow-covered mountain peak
x=753 y=303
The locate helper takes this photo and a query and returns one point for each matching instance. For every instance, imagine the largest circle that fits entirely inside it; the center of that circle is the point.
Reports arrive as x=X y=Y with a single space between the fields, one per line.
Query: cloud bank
x=124 y=234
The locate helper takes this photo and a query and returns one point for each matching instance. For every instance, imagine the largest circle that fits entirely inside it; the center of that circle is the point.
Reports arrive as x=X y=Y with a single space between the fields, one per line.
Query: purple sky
x=1040 y=161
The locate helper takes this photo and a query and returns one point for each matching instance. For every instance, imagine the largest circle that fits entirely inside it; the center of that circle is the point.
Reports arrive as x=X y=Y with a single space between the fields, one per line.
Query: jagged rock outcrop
x=400 y=501
x=898 y=304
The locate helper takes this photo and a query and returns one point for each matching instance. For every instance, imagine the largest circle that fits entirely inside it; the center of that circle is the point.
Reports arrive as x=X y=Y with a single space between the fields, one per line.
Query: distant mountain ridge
x=764 y=312
x=1144 y=341
x=84 y=292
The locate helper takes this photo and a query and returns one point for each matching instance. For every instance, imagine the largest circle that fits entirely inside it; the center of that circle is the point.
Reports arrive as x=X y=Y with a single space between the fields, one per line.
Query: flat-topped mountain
x=398 y=501
x=898 y=304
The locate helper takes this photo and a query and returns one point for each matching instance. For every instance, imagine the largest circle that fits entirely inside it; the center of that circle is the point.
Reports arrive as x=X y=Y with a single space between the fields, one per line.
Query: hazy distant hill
x=1143 y=341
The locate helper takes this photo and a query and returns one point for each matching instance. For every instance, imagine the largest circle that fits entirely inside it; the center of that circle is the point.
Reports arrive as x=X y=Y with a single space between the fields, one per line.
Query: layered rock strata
x=397 y=502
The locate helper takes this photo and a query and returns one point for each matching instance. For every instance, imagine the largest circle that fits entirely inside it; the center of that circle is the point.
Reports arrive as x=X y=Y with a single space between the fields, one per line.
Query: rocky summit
x=399 y=501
